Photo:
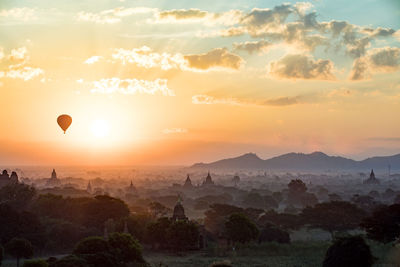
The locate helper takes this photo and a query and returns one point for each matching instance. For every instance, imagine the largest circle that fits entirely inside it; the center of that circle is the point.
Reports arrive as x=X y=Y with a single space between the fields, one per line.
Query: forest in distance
x=199 y=133
x=241 y=218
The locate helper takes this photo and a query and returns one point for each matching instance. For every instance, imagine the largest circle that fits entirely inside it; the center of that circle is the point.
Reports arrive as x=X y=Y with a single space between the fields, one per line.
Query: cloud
x=92 y=59
x=385 y=59
x=385 y=139
x=131 y=86
x=283 y=101
x=280 y=101
x=192 y=15
x=19 y=54
x=261 y=46
x=302 y=67
x=182 y=14
x=210 y=100
x=18 y=65
x=1 y=53
x=174 y=131
x=302 y=7
x=261 y=19
x=146 y=58
x=24 y=73
x=111 y=16
x=23 y=13
x=215 y=59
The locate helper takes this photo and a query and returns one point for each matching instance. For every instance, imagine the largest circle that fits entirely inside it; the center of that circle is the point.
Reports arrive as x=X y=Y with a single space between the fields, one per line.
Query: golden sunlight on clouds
x=177 y=81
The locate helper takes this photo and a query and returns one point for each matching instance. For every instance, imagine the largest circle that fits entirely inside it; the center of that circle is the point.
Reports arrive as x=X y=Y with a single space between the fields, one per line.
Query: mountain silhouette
x=316 y=161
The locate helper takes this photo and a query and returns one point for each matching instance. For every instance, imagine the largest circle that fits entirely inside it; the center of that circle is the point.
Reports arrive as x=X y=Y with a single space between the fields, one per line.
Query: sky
x=178 y=82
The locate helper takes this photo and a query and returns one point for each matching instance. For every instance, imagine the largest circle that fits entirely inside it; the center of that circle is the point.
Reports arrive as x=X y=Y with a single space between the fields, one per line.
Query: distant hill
x=316 y=161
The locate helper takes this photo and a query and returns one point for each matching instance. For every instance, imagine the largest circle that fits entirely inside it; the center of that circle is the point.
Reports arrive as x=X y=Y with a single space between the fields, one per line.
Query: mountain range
x=316 y=161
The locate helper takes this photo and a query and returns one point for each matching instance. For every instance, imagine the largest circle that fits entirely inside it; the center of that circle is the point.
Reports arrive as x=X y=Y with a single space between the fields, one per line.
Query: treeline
x=54 y=224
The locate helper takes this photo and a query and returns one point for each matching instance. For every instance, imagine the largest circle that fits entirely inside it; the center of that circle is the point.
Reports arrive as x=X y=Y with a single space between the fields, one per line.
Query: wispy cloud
x=22 y=13
x=302 y=67
x=111 y=16
x=385 y=59
x=280 y=101
x=174 y=131
x=216 y=59
x=261 y=46
x=131 y=86
x=18 y=67
x=92 y=60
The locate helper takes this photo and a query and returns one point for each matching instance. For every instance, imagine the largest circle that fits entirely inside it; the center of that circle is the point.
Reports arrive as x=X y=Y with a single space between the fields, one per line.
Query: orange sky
x=168 y=84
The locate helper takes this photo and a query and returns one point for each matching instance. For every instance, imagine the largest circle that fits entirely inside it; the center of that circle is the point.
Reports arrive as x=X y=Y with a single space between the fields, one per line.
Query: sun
x=100 y=128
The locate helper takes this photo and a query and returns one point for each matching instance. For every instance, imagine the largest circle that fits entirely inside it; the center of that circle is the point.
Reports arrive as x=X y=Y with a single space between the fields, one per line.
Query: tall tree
x=241 y=229
x=384 y=224
x=19 y=248
x=348 y=252
x=333 y=216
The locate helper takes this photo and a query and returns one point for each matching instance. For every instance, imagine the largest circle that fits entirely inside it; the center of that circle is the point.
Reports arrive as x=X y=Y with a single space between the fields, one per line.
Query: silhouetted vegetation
x=348 y=252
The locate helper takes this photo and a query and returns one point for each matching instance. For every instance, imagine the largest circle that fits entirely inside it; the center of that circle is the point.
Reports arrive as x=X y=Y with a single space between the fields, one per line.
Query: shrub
x=271 y=233
x=69 y=261
x=35 y=263
x=221 y=264
x=91 y=245
x=348 y=252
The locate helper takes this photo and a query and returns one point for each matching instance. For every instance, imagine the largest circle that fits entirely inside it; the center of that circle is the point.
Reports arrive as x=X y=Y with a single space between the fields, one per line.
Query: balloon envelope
x=64 y=121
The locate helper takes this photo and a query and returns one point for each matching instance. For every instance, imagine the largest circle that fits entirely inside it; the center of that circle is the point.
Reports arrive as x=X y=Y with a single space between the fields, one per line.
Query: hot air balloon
x=64 y=121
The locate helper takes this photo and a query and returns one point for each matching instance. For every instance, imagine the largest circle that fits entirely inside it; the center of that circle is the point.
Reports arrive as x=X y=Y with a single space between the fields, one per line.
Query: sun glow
x=100 y=128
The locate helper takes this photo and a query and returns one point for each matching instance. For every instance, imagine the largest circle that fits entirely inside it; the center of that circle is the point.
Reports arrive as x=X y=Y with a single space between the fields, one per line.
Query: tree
x=70 y=261
x=297 y=190
x=158 y=209
x=1 y=254
x=23 y=224
x=103 y=208
x=384 y=224
x=17 y=195
x=282 y=220
x=35 y=263
x=19 y=248
x=157 y=232
x=348 y=252
x=183 y=235
x=333 y=216
x=297 y=187
x=240 y=229
x=254 y=200
x=217 y=215
x=271 y=233
x=91 y=245
x=125 y=248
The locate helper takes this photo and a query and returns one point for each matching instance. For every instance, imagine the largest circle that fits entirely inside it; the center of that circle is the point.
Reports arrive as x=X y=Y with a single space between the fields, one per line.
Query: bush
x=241 y=229
x=69 y=261
x=19 y=248
x=221 y=264
x=271 y=233
x=91 y=245
x=125 y=248
x=348 y=252
x=35 y=263
x=1 y=254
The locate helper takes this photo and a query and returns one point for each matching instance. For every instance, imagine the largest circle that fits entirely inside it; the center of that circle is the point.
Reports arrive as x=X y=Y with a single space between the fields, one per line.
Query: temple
x=188 y=182
x=179 y=211
x=131 y=189
x=208 y=180
x=53 y=181
x=5 y=179
x=372 y=179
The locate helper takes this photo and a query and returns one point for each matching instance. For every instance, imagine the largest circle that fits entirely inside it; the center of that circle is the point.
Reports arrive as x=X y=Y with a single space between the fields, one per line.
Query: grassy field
x=299 y=253
x=304 y=254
